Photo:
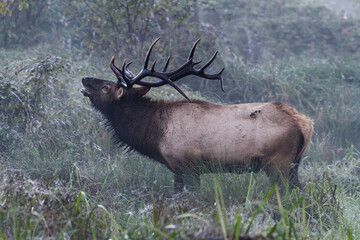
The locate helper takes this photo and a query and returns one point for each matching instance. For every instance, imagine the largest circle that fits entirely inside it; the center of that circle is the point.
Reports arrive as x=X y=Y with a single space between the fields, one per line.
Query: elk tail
x=305 y=125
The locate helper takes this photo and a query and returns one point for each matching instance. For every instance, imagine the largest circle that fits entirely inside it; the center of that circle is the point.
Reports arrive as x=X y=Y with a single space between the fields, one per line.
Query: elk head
x=103 y=94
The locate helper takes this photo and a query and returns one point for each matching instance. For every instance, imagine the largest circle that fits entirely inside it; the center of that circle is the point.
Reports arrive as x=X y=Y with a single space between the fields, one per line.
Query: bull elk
x=186 y=135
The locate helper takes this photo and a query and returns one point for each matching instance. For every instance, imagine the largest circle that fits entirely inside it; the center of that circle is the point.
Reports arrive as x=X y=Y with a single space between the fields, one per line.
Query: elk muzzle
x=87 y=83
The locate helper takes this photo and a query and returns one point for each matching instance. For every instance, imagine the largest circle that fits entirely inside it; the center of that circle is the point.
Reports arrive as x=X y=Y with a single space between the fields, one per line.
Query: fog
x=345 y=8
x=63 y=176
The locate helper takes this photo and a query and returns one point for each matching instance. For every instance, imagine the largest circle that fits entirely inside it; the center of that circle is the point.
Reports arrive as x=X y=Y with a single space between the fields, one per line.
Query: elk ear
x=119 y=93
x=141 y=91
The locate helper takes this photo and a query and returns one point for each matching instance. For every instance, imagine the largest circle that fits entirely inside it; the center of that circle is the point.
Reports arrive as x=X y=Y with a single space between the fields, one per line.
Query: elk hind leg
x=294 y=176
x=283 y=171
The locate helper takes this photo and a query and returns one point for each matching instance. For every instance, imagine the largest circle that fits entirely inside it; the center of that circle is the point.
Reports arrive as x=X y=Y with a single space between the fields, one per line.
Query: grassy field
x=63 y=178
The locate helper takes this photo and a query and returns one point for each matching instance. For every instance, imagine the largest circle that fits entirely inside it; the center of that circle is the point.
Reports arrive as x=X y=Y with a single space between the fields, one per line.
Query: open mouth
x=85 y=92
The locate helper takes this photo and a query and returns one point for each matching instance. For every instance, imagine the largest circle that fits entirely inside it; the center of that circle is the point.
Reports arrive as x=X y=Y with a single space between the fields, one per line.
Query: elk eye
x=105 y=88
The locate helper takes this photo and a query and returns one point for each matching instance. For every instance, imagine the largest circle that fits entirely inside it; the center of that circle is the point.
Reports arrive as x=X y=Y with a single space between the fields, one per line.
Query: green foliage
x=11 y=6
x=261 y=30
x=122 y=28
x=25 y=96
x=23 y=22
x=256 y=30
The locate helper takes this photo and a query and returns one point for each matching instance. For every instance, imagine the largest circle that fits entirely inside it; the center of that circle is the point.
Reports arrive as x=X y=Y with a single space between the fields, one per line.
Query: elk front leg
x=192 y=181
x=178 y=182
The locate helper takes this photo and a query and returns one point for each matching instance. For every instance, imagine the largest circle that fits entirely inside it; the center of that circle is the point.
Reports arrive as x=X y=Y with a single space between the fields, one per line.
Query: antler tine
x=127 y=71
x=118 y=73
x=114 y=68
x=221 y=79
x=149 y=53
x=123 y=72
x=202 y=69
x=166 y=64
x=192 y=51
x=153 y=66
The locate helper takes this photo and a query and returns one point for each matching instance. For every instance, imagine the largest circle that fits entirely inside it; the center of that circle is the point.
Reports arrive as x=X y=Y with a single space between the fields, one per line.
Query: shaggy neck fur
x=137 y=124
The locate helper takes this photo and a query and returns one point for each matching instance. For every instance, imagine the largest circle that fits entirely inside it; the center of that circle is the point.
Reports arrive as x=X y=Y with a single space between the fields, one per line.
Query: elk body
x=190 y=136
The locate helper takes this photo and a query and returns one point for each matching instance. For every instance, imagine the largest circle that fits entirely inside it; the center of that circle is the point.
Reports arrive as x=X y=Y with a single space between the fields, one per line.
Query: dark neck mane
x=137 y=124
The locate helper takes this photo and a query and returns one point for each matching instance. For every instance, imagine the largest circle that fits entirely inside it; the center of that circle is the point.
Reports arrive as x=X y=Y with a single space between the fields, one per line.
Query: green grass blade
x=282 y=212
x=77 y=206
x=88 y=220
x=249 y=189
x=237 y=227
x=258 y=208
x=60 y=236
x=272 y=230
x=220 y=205
x=349 y=234
x=2 y=236
x=27 y=227
x=16 y=226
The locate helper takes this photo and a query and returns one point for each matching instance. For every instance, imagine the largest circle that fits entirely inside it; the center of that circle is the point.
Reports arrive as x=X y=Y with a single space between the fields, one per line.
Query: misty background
x=305 y=53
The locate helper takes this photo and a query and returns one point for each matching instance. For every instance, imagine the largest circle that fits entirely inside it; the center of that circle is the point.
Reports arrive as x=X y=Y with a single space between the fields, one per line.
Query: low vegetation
x=62 y=177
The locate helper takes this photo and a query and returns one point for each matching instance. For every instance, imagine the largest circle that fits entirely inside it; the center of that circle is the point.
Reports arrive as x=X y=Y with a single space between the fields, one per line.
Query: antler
x=127 y=79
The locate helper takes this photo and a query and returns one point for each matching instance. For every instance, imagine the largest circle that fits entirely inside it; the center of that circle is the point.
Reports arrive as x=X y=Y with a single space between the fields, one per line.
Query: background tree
x=123 y=28
x=27 y=22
